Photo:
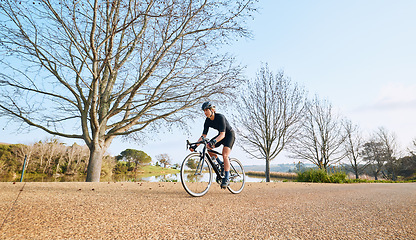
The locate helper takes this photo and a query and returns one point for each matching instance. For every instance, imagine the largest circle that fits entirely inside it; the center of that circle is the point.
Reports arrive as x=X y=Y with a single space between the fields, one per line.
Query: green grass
x=156 y=170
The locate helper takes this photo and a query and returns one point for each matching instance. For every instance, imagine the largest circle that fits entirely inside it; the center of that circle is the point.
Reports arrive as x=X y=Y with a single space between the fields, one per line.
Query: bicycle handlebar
x=203 y=141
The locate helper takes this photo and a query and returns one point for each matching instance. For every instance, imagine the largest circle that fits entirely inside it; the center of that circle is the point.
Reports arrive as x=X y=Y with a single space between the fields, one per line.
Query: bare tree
x=164 y=159
x=412 y=148
x=321 y=139
x=55 y=151
x=95 y=70
x=82 y=158
x=71 y=157
x=353 y=147
x=408 y=162
x=41 y=149
x=268 y=116
x=25 y=151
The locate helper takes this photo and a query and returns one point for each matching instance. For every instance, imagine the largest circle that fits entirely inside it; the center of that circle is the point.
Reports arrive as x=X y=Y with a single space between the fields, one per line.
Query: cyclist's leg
x=225 y=154
x=211 y=154
x=228 y=143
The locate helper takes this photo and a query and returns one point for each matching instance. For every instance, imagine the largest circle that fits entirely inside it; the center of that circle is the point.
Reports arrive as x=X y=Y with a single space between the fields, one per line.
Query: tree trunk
x=94 y=165
x=356 y=171
x=267 y=170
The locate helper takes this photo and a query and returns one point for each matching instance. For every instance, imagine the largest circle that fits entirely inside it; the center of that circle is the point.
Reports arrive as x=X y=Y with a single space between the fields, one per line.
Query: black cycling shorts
x=227 y=141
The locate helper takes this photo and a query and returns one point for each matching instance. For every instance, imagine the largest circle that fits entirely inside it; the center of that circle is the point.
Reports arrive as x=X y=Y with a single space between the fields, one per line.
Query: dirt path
x=165 y=211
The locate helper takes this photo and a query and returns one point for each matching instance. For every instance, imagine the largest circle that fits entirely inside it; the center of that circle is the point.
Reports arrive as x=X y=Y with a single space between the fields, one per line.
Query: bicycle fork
x=200 y=166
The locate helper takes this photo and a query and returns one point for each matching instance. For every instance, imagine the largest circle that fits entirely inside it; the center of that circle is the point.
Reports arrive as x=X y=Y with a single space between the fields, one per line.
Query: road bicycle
x=198 y=168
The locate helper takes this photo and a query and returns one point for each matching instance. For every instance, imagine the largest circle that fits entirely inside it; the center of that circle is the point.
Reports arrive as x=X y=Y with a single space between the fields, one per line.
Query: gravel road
x=166 y=211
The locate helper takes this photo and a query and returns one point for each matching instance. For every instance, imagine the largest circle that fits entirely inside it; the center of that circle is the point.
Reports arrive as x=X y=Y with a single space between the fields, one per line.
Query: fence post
x=23 y=170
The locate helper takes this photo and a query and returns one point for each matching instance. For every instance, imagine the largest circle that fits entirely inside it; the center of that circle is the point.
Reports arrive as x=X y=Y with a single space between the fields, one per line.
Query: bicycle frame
x=204 y=152
x=193 y=171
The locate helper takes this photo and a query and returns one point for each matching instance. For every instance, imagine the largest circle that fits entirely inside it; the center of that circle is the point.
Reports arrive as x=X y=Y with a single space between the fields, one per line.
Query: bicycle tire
x=196 y=182
x=237 y=176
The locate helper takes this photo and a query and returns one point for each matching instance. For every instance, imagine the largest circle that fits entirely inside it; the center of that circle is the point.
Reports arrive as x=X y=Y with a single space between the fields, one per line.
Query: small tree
x=134 y=156
x=380 y=153
x=353 y=147
x=408 y=163
x=389 y=143
x=268 y=115
x=374 y=154
x=300 y=167
x=164 y=159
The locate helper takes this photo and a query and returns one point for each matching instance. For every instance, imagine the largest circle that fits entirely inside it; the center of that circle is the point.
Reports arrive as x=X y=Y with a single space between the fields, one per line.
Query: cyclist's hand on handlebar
x=192 y=148
x=211 y=144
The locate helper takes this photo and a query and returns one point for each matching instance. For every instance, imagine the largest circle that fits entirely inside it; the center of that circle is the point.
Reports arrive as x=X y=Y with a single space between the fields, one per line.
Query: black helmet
x=207 y=105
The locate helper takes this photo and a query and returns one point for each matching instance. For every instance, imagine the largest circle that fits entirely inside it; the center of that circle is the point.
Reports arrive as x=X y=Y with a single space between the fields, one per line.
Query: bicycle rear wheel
x=196 y=175
x=237 y=176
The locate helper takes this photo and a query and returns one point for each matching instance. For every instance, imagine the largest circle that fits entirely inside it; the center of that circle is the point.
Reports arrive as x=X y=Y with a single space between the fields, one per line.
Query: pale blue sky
x=359 y=55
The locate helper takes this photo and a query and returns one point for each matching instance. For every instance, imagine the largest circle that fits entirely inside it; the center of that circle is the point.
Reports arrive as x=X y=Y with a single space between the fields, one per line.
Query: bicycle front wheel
x=237 y=176
x=196 y=175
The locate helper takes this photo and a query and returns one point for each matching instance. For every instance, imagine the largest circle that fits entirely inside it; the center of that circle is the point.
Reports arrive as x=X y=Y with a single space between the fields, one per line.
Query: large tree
x=321 y=138
x=95 y=70
x=268 y=115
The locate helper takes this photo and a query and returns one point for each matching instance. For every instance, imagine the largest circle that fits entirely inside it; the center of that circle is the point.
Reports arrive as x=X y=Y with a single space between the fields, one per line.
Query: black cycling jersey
x=221 y=124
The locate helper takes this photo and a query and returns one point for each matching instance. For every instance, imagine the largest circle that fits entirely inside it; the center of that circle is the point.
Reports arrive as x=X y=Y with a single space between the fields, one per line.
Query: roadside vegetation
x=48 y=158
x=280 y=175
x=321 y=176
x=52 y=158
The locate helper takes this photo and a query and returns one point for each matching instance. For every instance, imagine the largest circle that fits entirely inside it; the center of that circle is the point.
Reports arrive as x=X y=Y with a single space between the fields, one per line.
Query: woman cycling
x=225 y=137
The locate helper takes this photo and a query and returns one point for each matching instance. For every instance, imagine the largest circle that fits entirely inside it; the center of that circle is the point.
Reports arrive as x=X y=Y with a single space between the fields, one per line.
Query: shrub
x=121 y=168
x=321 y=176
x=313 y=175
x=338 y=177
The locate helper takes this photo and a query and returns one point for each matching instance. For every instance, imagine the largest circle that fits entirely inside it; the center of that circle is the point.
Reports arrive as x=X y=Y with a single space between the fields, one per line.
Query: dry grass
x=273 y=174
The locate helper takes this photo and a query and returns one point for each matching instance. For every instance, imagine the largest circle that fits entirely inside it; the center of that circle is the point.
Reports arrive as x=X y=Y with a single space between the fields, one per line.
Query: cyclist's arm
x=220 y=136
x=203 y=136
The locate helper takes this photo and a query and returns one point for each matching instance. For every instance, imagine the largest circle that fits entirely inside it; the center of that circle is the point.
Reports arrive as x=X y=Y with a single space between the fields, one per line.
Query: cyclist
x=225 y=137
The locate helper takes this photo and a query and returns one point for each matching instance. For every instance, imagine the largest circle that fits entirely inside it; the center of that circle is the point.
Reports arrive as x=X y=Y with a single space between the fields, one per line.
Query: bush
x=313 y=175
x=338 y=177
x=121 y=168
x=321 y=176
